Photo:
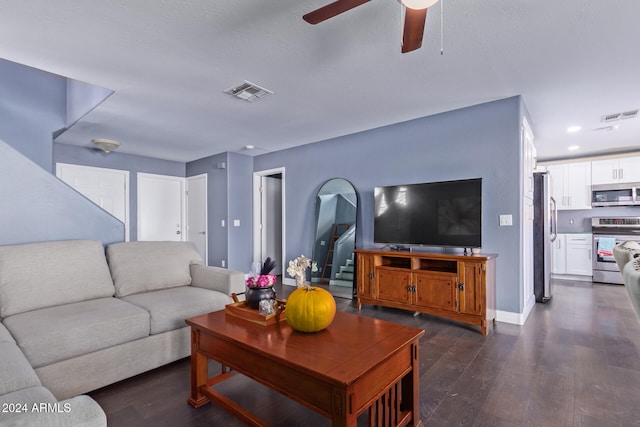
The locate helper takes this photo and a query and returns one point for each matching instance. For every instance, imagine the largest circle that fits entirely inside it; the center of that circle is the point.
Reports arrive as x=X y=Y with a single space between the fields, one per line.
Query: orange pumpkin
x=310 y=309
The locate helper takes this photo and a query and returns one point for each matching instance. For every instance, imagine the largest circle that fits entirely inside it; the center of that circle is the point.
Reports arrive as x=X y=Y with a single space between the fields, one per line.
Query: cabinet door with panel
x=571 y=185
x=579 y=255
x=558 y=255
x=604 y=171
x=629 y=169
x=617 y=170
x=435 y=290
x=558 y=173
x=365 y=275
x=470 y=287
x=393 y=285
x=578 y=185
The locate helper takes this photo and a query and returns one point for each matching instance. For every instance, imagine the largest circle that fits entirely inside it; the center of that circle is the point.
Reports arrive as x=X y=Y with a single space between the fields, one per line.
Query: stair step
x=348 y=269
x=338 y=282
x=344 y=276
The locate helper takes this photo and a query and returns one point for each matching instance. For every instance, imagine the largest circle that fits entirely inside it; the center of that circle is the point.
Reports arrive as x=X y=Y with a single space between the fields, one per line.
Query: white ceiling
x=169 y=62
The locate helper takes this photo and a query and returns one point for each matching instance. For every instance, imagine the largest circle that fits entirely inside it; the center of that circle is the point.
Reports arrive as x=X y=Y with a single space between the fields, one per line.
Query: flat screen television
x=447 y=214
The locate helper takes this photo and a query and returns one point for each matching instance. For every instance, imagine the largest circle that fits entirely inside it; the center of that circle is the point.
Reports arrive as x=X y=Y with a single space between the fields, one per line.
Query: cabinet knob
x=461 y=286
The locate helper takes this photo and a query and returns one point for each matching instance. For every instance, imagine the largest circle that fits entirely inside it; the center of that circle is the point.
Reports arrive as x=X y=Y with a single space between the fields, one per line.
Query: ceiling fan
x=414 y=18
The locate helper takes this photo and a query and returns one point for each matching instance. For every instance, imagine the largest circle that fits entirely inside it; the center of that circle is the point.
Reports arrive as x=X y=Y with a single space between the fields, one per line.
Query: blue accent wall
x=33 y=105
x=39 y=207
x=217 y=203
x=230 y=198
x=479 y=141
x=36 y=205
x=240 y=181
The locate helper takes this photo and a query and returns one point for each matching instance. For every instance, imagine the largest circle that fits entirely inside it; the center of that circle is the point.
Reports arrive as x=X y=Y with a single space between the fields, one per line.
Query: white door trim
x=256 y=218
x=123 y=173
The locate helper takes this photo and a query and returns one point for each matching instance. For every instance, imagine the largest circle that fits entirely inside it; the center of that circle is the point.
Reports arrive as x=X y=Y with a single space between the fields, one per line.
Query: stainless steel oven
x=607 y=232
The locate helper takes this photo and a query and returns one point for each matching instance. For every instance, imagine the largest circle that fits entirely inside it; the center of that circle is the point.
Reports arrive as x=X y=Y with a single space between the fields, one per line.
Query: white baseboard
x=576 y=277
x=516 y=318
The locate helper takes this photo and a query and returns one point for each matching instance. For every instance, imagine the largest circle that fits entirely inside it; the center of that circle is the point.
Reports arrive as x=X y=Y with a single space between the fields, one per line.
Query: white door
x=271 y=233
x=268 y=219
x=197 y=213
x=161 y=206
x=107 y=188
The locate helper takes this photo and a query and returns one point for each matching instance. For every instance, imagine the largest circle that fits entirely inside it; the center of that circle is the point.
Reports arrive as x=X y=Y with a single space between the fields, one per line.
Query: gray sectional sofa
x=627 y=257
x=75 y=319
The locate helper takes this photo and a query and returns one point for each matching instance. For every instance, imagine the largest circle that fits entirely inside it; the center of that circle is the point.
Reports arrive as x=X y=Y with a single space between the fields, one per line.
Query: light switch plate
x=506 y=220
x=236 y=223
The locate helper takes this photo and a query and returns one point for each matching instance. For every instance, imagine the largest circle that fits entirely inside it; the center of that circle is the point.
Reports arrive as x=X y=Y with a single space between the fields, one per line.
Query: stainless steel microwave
x=621 y=194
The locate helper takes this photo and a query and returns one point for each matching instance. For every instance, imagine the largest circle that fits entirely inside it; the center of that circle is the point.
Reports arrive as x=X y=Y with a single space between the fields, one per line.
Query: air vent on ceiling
x=248 y=91
x=619 y=116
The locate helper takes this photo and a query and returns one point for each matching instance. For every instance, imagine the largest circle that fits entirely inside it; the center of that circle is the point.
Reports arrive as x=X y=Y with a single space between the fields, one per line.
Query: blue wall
x=240 y=181
x=217 y=204
x=33 y=105
x=479 y=141
x=39 y=207
x=36 y=206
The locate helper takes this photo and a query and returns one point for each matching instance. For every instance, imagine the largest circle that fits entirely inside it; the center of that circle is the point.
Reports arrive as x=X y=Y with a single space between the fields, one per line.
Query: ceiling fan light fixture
x=106 y=145
x=418 y=4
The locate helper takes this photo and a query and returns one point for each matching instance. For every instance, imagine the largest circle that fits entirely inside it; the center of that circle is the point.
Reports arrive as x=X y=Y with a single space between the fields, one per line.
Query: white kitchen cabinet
x=579 y=254
x=559 y=255
x=616 y=170
x=571 y=254
x=571 y=185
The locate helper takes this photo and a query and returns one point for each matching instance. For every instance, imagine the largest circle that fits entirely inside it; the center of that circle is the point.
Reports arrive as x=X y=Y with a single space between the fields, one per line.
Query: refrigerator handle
x=554 y=219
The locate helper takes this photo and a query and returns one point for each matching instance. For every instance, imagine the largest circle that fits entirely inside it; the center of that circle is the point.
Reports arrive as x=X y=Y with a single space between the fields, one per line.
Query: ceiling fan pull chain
x=441 y=27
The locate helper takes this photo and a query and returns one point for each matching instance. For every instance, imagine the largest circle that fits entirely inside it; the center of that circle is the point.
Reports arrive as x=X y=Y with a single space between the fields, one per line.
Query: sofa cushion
x=38 y=275
x=57 y=333
x=15 y=371
x=631 y=278
x=624 y=252
x=42 y=409
x=149 y=266
x=29 y=396
x=169 y=307
x=5 y=335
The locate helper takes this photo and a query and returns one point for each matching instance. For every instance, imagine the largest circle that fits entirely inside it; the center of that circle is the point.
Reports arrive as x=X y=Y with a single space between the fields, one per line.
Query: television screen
x=447 y=213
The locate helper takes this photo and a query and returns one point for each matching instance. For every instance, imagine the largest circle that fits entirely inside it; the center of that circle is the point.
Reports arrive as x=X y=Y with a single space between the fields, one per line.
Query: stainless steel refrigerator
x=545 y=221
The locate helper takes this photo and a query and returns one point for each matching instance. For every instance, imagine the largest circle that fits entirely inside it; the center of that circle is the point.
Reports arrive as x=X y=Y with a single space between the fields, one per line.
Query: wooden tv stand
x=458 y=287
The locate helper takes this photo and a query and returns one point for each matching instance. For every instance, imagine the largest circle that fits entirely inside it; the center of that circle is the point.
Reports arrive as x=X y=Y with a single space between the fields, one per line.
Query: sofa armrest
x=217 y=279
x=79 y=411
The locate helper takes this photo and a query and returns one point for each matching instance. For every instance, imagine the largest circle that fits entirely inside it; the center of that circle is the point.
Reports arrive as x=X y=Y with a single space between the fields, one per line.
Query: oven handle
x=554 y=219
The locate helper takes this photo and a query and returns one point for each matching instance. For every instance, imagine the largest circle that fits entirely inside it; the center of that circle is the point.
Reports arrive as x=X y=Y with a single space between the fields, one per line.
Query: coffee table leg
x=410 y=387
x=340 y=416
x=199 y=372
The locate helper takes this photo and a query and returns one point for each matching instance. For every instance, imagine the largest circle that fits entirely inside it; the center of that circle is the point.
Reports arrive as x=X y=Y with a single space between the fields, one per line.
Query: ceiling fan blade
x=413 y=32
x=331 y=10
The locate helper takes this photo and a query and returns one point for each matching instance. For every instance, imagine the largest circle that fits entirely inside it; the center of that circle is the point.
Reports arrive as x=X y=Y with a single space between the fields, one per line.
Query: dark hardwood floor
x=576 y=362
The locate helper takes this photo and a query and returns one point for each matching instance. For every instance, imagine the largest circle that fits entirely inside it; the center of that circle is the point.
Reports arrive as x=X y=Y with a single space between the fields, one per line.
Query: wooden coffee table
x=357 y=363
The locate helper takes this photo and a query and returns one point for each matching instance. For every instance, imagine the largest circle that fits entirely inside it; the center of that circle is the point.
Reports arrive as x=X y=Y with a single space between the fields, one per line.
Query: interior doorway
x=269 y=217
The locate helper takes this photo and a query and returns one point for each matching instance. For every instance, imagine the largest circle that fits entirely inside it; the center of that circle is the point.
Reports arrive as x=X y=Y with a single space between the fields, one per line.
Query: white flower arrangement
x=298 y=268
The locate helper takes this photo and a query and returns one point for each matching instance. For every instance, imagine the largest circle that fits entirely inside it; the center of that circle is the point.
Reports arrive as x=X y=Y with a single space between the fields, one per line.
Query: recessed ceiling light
x=573 y=147
x=572 y=129
x=249 y=147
